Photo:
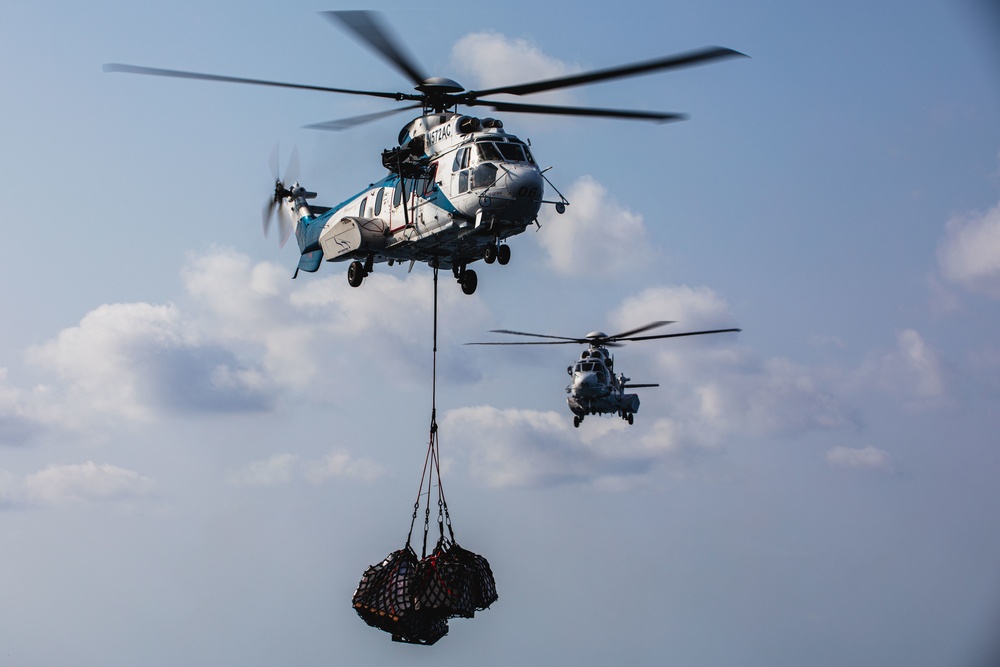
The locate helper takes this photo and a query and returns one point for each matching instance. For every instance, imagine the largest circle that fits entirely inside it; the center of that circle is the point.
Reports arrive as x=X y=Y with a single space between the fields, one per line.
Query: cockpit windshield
x=495 y=151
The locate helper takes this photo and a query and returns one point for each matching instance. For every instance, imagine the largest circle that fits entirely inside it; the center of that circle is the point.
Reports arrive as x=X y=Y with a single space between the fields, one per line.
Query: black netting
x=444 y=584
x=384 y=595
x=482 y=587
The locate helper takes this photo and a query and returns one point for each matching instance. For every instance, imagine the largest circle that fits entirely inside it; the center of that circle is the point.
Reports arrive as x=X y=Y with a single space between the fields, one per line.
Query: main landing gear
x=467 y=278
x=357 y=272
x=497 y=253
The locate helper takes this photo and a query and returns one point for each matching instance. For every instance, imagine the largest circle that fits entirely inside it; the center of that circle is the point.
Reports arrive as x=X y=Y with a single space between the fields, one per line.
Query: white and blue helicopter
x=457 y=187
x=594 y=388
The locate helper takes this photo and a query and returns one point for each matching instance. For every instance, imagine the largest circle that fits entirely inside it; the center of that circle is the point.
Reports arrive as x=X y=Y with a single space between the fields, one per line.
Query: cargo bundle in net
x=412 y=598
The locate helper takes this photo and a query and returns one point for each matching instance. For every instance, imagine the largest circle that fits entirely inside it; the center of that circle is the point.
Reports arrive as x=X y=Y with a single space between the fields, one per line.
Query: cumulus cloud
x=913 y=371
x=341 y=464
x=969 y=255
x=272 y=471
x=509 y=447
x=61 y=485
x=134 y=359
x=285 y=468
x=597 y=236
x=493 y=60
x=712 y=389
x=20 y=421
x=867 y=458
x=241 y=336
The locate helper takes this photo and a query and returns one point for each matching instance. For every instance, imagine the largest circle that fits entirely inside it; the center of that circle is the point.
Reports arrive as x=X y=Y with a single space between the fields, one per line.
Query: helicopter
x=593 y=387
x=458 y=186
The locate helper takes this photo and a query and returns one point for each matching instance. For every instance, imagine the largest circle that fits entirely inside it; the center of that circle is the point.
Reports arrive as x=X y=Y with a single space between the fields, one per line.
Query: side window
x=463 y=181
x=461 y=159
x=484 y=175
x=429 y=182
x=361 y=208
x=378 y=201
x=397 y=194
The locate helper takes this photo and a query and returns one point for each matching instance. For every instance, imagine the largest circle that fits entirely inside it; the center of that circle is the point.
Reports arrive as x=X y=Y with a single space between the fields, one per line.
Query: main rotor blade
x=347 y=123
x=686 y=333
x=637 y=330
x=369 y=27
x=670 y=62
x=179 y=74
x=558 y=340
x=517 y=107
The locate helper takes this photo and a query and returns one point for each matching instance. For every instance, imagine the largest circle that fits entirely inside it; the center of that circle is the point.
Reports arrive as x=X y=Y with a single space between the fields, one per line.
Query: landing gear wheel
x=356 y=274
x=490 y=254
x=629 y=419
x=469 y=281
x=576 y=421
x=503 y=254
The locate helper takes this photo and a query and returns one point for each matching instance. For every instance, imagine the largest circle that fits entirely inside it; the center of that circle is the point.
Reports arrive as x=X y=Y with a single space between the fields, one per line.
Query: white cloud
x=912 y=371
x=60 y=485
x=531 y=448
x=969 y=255
x=341 y=464
x=493 y=60
x=285 y=468
x=241 y=336
x=867 y=458
x=133 y=360
x=712 y=389
x=272 y=471
x=19 y=420
x=597 y=236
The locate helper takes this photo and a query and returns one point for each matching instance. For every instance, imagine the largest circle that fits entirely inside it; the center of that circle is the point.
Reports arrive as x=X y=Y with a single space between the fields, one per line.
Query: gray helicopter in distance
x=594 y=388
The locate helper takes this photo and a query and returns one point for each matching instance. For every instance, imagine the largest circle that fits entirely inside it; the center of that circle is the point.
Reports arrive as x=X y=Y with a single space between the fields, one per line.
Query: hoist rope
x=432 y=461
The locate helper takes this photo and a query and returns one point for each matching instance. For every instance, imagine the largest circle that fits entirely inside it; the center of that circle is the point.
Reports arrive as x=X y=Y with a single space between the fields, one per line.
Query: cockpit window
x=495 y=151
x=488 y=152
x=511 y=152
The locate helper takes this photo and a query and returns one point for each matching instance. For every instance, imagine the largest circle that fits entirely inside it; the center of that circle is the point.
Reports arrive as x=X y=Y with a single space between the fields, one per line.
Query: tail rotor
x=284 y=188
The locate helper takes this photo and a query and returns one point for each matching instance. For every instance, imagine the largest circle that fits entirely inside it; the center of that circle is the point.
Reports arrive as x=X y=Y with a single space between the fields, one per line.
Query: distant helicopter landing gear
x=490 y=254
x=627 y=416
x=577 y=420
x=503 y=254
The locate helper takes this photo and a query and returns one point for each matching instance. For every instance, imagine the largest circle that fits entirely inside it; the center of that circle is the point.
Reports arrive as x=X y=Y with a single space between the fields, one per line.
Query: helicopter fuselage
x=594 y=388
x=457 y=188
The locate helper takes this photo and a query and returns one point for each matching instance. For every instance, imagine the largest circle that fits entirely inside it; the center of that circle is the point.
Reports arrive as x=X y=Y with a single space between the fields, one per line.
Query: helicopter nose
x=525 y=182
x=585 y=383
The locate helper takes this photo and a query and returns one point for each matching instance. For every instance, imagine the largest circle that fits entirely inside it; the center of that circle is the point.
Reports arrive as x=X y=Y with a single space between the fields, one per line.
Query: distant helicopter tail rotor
x=283 y=189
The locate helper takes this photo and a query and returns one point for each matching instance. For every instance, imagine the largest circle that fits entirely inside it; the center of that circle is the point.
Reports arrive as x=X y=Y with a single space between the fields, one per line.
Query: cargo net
x=411 y=598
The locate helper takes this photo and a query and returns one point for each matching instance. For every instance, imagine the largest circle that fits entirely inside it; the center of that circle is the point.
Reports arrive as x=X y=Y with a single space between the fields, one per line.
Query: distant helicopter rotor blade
x=347 y=123
x=671 y=62
x=517 y=107
x=179 y=74
x=369 y=27
x=606 y=341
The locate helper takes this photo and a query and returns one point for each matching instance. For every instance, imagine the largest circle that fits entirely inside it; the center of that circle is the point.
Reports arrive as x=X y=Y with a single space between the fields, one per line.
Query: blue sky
x=199 y=456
